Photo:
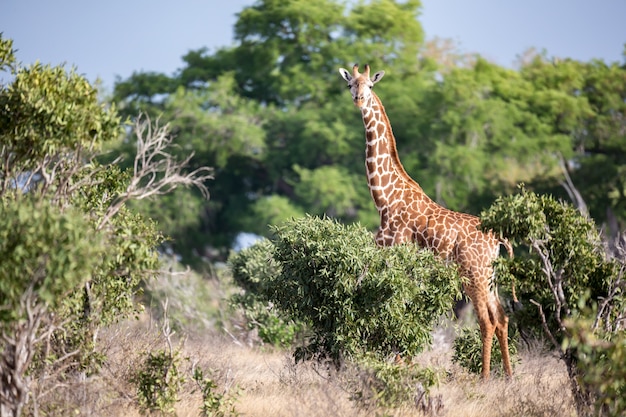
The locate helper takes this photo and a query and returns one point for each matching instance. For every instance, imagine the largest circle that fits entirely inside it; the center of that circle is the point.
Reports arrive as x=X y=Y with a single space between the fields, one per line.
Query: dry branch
x=155 y=170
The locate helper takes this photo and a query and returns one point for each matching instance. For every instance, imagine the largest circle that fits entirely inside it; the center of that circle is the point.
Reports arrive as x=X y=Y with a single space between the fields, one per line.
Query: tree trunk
x=13 y=380
x=583 y=398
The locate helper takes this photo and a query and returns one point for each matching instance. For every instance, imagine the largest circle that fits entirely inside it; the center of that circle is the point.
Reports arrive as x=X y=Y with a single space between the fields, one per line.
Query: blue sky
x=114 y=37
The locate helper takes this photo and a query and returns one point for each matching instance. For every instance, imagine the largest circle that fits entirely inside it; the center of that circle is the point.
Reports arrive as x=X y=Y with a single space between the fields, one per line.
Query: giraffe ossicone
x=407 y=214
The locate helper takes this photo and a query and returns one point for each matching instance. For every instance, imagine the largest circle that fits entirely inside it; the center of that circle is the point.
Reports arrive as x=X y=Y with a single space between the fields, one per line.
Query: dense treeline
x=272 y=116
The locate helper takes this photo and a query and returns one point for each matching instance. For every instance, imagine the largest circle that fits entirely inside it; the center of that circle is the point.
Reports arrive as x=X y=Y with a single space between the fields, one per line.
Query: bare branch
x=571 y=189
x=555 y=280
x=613 y=320
x=155 y=170
x=544 y=324
x=166 y=329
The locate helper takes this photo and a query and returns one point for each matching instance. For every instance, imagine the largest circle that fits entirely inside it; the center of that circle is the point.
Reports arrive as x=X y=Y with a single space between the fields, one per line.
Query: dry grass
x=267 y=383
x=539 y=387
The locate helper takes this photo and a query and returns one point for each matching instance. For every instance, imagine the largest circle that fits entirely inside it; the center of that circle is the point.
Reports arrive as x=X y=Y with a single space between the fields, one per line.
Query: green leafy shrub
x=359 y=302
x=564 y=254
x=603 y=358
x=159 y=380
x=385 y=385
x=467 y=349
x=72 y=254
x=359 y=299
x=214 y=404
x=253 y=269
x=55 y=247
x=572 y=290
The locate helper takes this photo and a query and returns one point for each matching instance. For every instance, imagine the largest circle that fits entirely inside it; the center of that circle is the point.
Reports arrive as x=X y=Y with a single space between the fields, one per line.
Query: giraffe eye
x=349 y=86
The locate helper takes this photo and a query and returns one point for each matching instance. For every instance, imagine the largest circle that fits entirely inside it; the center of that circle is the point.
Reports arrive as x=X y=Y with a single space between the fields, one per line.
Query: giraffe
x=407 y=214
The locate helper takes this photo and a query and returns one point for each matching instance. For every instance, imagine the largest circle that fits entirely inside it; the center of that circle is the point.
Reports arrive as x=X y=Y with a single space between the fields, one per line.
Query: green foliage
x=265 y=211
x=330 y=191
x=158 y=381
x=253 y=269
x=7 y=54
x=493 y=131
x=358 y=299
x=359 y=302
x=576 y=292
x=213 y=403
x=109 y=292
x=43 y=249
x=132 y=239
x=47 y=110
x=145 y=89
x=556 y=233
x=603 y=359
x=72 y=256
x=273 y=115
x=387 y=385
x=468 y=351
x=51 y=121
x=225 y=131
x=286 y=53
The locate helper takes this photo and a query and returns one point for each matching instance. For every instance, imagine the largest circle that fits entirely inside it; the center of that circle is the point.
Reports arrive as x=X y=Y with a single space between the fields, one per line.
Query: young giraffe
x=407 y=214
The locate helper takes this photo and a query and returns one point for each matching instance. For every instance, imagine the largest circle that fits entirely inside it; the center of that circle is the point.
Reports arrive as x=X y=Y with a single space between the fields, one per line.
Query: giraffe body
x=407 y=214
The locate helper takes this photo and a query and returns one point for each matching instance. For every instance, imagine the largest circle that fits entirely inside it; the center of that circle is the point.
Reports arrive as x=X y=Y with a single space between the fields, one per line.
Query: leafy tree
x=47 y=254
x=358 y=299
x=72 y=253
x=144 y=91
x=573 y=289
x=598 y=136
x=490 y=135
x=222 y=130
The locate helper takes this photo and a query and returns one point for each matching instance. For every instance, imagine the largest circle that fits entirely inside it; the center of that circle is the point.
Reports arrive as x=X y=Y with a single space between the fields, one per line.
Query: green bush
x=72 y=254
x=253 y=269
x=359 y=299
x=55 y=247
x=158 y=381
x=385 y=385
x=468 y=347
x=360 y=303
x=602 y=357
x=573 y=291
x=561 y=252
x=214 y=404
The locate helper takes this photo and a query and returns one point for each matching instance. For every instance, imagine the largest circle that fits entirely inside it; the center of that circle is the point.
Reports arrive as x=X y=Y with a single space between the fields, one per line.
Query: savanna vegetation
x=120 y=290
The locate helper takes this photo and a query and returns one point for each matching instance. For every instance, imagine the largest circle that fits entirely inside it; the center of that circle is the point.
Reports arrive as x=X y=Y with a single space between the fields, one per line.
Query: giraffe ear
x=377 y=77
x=345 y=74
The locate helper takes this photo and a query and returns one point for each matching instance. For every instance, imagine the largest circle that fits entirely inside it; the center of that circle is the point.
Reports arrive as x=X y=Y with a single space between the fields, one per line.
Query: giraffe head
x=360 y=85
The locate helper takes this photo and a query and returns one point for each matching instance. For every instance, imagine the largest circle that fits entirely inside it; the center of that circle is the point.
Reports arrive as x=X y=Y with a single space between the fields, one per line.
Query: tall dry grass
x=265 y=382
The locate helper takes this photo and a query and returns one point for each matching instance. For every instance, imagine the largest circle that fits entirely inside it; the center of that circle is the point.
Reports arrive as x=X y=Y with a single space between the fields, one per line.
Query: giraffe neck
x=385 y=174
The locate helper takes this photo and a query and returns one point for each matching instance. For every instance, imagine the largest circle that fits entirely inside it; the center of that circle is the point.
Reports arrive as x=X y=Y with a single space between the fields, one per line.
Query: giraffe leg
x=502 y=333
x=487 y=329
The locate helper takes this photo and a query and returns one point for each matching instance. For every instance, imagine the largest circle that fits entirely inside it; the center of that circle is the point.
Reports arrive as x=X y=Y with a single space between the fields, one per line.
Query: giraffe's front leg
x=480 y=301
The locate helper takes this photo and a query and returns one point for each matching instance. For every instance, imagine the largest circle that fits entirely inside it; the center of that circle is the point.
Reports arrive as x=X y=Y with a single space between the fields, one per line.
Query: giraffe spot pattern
x=407 y=214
